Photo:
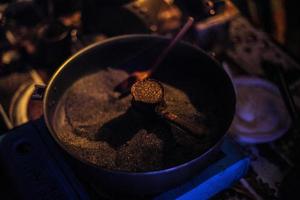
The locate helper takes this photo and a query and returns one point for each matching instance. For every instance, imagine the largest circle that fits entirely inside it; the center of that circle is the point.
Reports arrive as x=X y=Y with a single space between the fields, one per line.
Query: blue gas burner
x=37 y=168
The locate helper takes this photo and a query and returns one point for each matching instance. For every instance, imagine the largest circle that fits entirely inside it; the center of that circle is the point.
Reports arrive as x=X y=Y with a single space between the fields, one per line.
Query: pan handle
x=196 y=130
x=39 y=91
x=148 y=97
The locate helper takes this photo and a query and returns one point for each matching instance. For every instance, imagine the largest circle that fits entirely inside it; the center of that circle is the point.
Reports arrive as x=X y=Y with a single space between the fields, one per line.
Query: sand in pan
x=102 y=129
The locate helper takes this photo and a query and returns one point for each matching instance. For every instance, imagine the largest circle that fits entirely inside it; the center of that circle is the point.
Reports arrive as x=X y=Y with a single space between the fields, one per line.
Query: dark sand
x=101 y=129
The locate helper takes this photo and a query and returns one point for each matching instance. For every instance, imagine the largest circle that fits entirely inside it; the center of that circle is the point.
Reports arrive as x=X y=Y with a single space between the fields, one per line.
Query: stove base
x=36 y=168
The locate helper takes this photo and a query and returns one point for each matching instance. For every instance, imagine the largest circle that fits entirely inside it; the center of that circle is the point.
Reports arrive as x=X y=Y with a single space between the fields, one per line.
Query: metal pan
x=185 y=62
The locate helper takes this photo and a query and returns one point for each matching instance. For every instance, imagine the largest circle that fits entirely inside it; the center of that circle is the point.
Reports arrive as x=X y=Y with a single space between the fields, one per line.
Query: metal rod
x=286 y=94
x=6 y=119
x=275 y=72
x=124 y=86
x=174 y=41
x=245 y=183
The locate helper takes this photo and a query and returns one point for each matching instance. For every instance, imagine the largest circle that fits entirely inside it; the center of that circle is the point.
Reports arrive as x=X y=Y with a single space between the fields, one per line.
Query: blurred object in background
x=109 y=19
x=261 y=115
x=157 y=15
x=268 y=15
x=54 y=45
x=212 y=32
x=59 y=8
x=250 y=47
x=200 y=9
x=279 y=18
x=20 y=22
x=293 y=27
x=140 y=16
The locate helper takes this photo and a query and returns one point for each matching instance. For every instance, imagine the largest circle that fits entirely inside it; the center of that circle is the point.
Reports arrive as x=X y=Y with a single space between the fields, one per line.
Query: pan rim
x=128 y=173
